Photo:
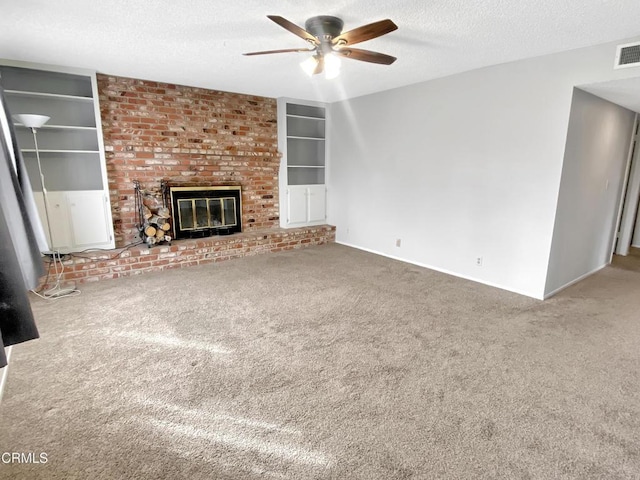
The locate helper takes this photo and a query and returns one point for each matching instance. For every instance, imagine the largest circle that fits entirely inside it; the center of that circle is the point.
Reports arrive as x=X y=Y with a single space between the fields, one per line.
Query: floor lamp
x=34 y=122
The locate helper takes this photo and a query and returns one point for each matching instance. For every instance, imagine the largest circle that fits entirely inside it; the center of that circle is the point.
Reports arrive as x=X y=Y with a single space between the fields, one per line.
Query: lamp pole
x=34 y=122
x=44 y=189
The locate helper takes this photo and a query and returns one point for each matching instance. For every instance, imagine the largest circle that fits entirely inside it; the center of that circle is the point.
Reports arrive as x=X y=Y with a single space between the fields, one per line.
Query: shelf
x=294 y=109
x=58 y=127
x=65 y=171
x=40 y=150
x=305 y=166
x=48 y=95
x=306 y=138
x=305 y=176
x=305 y=116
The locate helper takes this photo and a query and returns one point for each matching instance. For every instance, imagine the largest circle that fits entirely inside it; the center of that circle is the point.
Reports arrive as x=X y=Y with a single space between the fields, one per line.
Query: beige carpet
x=328 y=363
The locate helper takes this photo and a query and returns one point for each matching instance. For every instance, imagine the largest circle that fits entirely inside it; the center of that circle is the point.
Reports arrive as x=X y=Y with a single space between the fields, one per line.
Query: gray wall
x=462 y=167
x=595 y=160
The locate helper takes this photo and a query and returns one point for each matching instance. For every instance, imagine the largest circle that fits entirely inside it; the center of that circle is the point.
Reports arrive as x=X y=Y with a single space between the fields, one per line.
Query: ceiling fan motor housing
x=324 y=27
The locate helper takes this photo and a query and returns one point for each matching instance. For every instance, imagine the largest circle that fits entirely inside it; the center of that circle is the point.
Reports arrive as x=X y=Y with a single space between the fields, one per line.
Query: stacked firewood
x=156 y=226
x=153 y=214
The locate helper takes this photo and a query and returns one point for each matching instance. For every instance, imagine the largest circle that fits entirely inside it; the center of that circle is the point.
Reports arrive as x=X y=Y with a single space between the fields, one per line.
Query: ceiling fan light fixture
x=309 y=65
x=331 y=66
x=328 y=43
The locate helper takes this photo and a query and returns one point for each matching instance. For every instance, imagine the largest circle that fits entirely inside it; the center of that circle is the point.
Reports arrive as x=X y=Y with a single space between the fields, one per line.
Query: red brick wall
x=154 y=131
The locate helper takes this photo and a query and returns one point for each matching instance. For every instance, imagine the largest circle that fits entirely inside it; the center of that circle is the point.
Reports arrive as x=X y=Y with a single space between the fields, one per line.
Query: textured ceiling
x=200 y=42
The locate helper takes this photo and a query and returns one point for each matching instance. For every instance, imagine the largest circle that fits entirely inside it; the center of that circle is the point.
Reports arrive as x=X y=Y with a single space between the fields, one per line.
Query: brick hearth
x=94 y=266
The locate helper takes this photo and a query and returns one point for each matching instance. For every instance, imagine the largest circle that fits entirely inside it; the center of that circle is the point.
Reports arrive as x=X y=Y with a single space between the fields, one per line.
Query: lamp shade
x=31 y=120
x=309 y=65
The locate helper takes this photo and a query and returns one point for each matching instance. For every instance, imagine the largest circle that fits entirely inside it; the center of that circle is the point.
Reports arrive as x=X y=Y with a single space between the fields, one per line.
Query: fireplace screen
x=205 y=211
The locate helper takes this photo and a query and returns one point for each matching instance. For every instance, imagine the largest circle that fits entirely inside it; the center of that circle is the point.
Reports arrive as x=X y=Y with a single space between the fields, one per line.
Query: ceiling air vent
x=628 y=55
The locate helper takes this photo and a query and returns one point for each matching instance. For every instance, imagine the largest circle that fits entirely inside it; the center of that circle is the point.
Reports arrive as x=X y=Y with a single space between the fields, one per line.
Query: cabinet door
x=296 y=205
x=88 y=218
x=59 y=216
x=316 y=203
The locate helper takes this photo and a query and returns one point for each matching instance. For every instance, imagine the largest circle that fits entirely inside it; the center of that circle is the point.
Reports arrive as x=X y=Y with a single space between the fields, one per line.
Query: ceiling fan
x=327 y=42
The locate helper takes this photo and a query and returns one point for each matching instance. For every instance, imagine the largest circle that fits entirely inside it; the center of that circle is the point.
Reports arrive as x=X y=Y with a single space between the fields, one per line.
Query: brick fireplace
x=188 y=135
x=155 y=132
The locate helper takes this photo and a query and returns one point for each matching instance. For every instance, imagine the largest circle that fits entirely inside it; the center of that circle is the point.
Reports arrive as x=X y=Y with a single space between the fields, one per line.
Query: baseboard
x=442 y=270
x=5 y=372
x=573 y=282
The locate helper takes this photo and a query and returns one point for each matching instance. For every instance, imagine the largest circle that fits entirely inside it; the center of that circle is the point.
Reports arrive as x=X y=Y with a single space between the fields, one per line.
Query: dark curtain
x=21 y=239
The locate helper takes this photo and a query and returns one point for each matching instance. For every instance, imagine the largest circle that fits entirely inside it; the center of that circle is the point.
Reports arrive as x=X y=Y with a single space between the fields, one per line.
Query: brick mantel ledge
x=101 y=265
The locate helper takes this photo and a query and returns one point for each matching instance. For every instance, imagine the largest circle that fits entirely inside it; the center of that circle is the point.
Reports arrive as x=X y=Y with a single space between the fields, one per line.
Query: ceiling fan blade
x=366 y=32
x=293 y=28
x=286 y=50
x=365 y=55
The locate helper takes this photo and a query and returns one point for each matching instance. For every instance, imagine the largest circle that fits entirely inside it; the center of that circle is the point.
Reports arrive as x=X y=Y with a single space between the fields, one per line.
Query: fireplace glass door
x=203 y=211
x=197 y=213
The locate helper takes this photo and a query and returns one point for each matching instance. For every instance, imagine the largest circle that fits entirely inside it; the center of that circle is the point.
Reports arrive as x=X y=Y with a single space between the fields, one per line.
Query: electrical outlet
x=398 y=242
x=479 y=261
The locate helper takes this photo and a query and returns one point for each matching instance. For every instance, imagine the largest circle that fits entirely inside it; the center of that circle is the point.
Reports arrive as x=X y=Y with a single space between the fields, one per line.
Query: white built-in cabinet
x=302 y=139
x=71 y=152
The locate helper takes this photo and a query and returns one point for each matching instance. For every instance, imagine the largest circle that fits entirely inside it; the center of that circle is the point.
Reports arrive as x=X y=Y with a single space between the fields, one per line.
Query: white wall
x=595 y=160
x=461 y=167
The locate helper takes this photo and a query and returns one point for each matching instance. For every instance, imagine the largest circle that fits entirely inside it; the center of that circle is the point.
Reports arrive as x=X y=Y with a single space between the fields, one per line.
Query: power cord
x=57 y=292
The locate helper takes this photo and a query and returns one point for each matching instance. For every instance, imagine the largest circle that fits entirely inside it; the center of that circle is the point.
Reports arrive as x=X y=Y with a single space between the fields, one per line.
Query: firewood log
x=165 y=226
x=163 y=212
x=157 y=220
x=151 y=202
x=150 y=231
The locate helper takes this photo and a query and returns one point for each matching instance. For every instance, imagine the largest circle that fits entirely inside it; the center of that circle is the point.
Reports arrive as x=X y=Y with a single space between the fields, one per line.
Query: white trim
x=629 y=197
x=574 y=281
x=33 y=150
x=47 y=67
x=103 y=159
x=297 y=137
x=24 y=93
x=305 y=116
x=623 y=190
x=442 y=270
x=58 y=127
x=5 y=371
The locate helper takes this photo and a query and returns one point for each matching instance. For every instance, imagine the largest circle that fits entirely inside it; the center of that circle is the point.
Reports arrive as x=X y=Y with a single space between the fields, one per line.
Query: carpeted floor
x=328 y=363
